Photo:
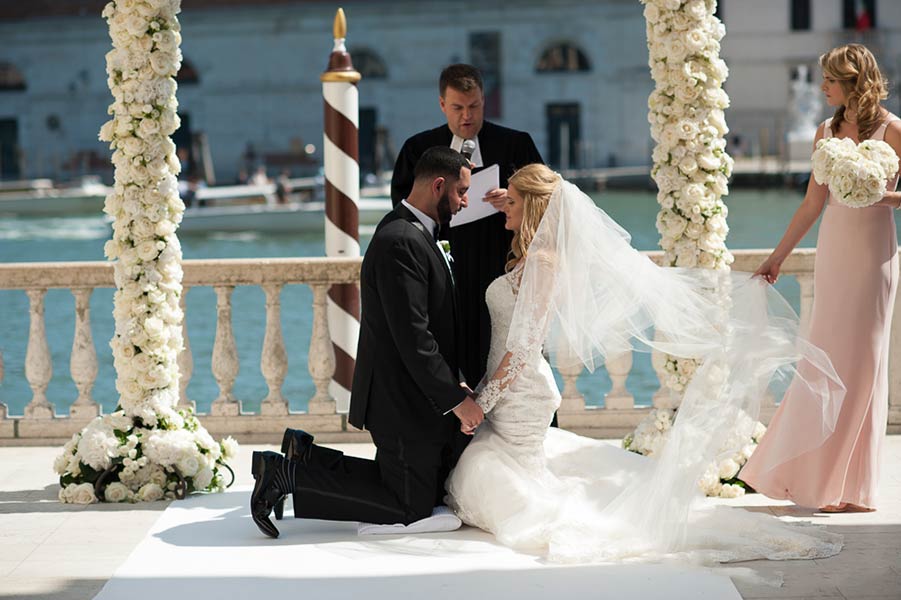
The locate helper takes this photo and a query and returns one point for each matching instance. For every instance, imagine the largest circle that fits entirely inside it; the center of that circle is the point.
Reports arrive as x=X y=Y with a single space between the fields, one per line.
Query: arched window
x=11 y=79
x=369 y=64
x=187 y=74
x=562 y=57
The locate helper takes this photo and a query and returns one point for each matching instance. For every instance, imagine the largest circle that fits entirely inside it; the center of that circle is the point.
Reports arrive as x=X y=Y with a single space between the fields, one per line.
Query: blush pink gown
x=855 y=280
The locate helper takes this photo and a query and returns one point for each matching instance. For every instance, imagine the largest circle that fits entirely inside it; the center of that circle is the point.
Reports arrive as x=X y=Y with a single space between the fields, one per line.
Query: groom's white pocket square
x=441 y=519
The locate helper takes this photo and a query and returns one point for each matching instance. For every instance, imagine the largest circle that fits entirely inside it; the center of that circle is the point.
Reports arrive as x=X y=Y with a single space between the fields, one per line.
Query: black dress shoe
x=266 y=494
x=296 y=445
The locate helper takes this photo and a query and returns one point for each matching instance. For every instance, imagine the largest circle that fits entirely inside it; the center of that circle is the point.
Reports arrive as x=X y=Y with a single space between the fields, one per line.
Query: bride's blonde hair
x=535 y=183
x=864 y=85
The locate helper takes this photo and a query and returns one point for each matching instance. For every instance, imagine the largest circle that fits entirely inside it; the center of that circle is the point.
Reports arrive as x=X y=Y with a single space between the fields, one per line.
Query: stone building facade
x=571 y=72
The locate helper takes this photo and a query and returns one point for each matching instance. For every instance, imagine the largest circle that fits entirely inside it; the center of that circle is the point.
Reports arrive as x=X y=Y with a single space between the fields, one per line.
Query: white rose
x=203 y=478
x=151 y=492
x=706 y=260
x=188 y=466
x=696 y=9
x=675 y=49
x=728 y=469
x=686 y=258
x=136 y=25
x=148 y=127
x=651 y=13
x=229 y=448
x=681 y=21
x=82 y=494
x=164 y=228
x=688 y=165
x=718 y=70
x=116 y=492
x=669 y=136
x=147 y=250
x=687 y=129
x=730 y=490
x=695 y=40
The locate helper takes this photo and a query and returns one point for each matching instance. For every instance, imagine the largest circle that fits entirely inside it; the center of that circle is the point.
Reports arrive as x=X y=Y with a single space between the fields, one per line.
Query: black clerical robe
x=480 y=249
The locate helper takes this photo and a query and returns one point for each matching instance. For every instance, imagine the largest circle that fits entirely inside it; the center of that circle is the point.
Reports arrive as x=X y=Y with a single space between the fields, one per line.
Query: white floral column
x=691 y=169
x=146 y=449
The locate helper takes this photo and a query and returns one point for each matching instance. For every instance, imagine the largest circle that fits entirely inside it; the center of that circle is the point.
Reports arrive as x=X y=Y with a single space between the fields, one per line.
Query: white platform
x=208 y=547
x=51 y=551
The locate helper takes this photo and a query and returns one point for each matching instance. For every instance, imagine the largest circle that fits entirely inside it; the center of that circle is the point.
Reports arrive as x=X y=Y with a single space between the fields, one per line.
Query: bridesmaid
x=855 y=279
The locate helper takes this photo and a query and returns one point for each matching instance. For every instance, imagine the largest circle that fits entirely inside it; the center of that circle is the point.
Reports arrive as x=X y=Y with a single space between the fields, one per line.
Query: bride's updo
x=864 y=86
x=535 y=183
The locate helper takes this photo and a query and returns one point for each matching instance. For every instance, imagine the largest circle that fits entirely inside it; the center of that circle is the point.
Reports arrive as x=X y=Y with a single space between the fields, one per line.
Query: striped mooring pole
x=342 y=195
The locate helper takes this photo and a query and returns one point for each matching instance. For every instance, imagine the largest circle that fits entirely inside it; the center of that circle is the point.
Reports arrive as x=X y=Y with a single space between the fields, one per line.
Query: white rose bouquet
x=855 y=173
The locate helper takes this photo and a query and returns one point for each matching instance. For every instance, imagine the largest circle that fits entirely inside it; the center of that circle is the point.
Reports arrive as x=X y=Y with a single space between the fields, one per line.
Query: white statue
x=805 y=107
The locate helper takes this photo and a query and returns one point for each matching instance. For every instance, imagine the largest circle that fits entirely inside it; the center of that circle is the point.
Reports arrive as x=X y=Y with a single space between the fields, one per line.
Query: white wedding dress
x=574 y=499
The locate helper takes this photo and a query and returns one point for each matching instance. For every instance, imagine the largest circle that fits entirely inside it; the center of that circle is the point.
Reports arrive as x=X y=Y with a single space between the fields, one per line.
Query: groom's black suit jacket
x=406 y=375
x=481 y=248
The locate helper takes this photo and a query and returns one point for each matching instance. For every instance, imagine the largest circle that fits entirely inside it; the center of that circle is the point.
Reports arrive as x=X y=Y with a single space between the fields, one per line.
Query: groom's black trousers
x=402 y=485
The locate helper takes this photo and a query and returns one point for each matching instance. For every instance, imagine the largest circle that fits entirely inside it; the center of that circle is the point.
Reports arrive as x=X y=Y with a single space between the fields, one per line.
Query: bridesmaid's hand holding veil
x=769 y=270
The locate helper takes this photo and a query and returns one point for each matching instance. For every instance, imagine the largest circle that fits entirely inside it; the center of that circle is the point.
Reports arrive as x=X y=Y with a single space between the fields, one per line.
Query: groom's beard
x=444 y=209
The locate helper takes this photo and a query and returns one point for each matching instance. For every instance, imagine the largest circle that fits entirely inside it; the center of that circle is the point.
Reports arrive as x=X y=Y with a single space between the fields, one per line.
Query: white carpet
x=208 y=547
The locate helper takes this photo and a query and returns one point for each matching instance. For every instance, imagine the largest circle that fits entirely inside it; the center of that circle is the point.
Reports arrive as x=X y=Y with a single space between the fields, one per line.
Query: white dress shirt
x=457 y=144
x=430 y=225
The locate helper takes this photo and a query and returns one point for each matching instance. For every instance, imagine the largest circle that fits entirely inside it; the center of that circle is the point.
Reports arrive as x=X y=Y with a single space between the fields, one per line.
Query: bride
x=577 y=289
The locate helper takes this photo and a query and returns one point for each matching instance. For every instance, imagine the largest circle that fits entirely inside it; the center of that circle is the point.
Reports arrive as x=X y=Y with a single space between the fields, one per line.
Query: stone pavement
x=64 y=552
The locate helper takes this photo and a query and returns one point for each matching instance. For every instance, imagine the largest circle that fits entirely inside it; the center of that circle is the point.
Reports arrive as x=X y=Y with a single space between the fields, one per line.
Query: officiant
x=479 y=248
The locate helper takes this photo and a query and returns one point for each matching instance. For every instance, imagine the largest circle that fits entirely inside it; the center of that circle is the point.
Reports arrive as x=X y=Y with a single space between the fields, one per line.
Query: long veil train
x=600 y=297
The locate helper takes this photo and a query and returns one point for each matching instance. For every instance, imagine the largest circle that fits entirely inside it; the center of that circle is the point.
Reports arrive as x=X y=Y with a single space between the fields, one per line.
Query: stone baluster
x=225 y=355
x=569 y=367
x=663 y=397
x=185 y=358
x=83 y=362
x=3 y=409
x=805 y=281
x=618 y=368
x=571 y=399
x=322 y=355
x=274 y=360
x=38 y=362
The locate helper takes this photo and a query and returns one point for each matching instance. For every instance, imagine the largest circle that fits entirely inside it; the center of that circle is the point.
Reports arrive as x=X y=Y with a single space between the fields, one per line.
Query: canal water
x=757 y=220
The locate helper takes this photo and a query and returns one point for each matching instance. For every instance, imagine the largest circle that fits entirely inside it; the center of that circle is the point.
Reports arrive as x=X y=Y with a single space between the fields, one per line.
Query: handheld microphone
x=467 y=149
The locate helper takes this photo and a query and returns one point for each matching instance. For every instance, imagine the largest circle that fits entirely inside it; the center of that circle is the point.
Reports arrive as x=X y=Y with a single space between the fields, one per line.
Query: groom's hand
x=470 y=415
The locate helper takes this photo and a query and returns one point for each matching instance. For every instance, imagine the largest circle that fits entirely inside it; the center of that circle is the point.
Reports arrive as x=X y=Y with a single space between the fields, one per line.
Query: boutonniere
x=445 y=247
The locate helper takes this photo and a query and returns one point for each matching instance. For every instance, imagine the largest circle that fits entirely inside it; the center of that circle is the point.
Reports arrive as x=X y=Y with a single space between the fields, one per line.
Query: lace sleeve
x=528 y=327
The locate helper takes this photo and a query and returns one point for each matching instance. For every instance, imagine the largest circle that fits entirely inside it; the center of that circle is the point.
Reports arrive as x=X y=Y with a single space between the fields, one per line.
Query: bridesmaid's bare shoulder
x=893 y=133
x=821 y=131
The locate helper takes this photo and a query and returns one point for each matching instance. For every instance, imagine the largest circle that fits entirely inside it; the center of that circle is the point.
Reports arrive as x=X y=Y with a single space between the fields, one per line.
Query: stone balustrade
x=40 y=425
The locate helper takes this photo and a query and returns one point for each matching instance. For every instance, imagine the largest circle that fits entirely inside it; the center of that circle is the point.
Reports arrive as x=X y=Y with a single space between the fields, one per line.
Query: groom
x=406 y=388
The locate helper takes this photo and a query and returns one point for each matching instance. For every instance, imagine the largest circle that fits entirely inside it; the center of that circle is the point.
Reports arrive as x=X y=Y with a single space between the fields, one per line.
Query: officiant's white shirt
x=457 y=144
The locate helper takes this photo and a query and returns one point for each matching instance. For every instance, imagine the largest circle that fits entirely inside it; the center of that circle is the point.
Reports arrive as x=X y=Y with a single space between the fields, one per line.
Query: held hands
x=497 y=197
x=470 y=415
x=769 y=270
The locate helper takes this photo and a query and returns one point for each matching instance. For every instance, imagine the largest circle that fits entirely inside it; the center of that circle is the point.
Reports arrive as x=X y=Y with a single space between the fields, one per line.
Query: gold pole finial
x=340 y=27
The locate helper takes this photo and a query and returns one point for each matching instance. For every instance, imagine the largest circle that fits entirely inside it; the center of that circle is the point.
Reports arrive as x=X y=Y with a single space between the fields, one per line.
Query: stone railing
x=39 y=424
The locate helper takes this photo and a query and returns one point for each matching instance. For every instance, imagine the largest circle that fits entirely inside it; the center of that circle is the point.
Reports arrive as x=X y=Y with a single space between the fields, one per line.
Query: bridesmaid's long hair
x=535 y=183
x=864 y=85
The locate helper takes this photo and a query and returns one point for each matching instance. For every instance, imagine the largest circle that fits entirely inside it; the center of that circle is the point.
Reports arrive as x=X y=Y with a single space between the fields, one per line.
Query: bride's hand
x=769 y=270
